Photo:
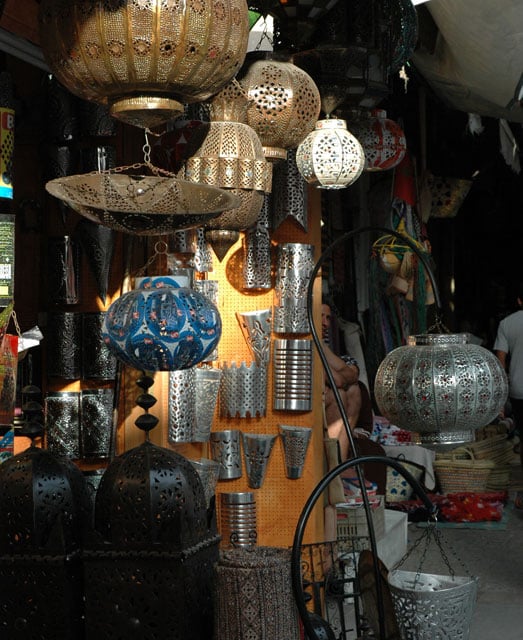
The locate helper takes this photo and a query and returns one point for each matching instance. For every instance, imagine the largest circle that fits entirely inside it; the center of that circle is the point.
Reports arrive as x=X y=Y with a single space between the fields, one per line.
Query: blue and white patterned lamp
x=162 y=329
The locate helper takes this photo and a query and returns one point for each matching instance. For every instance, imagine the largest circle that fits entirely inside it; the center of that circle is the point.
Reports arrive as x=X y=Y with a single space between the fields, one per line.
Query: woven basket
x=460 y=471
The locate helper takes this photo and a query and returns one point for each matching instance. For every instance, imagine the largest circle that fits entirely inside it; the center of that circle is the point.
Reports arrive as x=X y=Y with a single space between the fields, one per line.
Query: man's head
x=326 y=317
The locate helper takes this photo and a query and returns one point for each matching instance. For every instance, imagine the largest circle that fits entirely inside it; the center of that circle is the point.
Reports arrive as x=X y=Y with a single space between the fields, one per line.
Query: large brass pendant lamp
x=144 y=58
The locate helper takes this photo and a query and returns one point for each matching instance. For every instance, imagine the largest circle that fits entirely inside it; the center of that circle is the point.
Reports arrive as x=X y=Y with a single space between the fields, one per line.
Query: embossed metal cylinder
x=62 y=423
x=238 y=519
x=63 y=270
x=243 y=390
x=256 y=329
x=226 y=449
x=97 y=361
x=289 y=193
x=292 y=374
x=182 y=405
x=295 y=262
x=257 y=449
x=207 y=388
x=64 y=350
x=96 y=423
x=441 y=387
x=208 y=472
x=295 y=444
x=257 y=272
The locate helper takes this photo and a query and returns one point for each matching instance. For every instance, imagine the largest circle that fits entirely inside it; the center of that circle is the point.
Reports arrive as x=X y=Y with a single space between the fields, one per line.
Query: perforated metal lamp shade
x=145 y=58
x=330 y=157
x=441 y=387
x=382 y=139
x=284 y=104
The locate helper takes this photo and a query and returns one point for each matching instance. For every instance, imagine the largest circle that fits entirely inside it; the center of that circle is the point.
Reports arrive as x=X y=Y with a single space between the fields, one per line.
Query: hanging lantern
x=145 y=58
x=358 y=45
x=330 y=157
x=140 y=204
x=162 y=329
x=383 y=140
x=441 y=387
x=231 y=157
x=284 y=105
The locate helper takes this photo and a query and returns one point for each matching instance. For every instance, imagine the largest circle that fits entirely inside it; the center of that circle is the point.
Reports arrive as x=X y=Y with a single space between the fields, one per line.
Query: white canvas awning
x=476 y=64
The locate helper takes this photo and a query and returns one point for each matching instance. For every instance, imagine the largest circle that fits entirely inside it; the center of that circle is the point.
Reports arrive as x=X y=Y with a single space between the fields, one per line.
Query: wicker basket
x=461 y=471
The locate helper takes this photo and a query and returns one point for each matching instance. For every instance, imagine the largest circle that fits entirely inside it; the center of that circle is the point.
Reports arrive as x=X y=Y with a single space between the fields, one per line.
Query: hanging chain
x=160 y=249
x=432 y=532
x=146 y=148
x=15 y=322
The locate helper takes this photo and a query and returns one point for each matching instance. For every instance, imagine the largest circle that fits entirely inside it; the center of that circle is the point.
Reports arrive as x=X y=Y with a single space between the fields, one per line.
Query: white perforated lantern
x=330 y=157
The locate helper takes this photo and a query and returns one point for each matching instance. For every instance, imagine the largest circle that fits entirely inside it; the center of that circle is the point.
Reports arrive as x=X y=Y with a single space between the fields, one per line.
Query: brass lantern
x=285 y=105
x=145 y=58
x=231 y=157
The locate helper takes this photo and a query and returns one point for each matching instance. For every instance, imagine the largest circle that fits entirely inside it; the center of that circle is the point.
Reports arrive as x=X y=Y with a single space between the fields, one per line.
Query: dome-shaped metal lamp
x=46 y=513
x=441 y=387
x=149 y=564
x=144 y=58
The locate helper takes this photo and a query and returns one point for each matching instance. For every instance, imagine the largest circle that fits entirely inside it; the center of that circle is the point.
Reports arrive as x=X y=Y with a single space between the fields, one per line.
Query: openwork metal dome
x=44 y=503
x=152 y=496
x=441 y=387
x=144 y=58
x=149 y=565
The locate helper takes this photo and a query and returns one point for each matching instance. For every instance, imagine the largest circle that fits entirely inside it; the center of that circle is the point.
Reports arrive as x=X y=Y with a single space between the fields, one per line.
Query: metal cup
x=295 y=444
x=257 y=449
x=225 y=449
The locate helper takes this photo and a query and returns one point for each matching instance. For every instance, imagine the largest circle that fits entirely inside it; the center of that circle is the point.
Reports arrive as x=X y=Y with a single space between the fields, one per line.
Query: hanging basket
x=425 y=602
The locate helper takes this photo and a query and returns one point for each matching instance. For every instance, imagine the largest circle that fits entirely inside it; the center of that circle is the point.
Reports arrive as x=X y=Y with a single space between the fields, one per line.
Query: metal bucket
x=430 y=606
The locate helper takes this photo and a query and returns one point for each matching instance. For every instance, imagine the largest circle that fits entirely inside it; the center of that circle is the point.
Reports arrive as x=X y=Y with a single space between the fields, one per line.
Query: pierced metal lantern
x=46 y=511
x=148 y=569
x=162 y=329
x=330 y=157
x=382 y=139
x=231 y=157
x=441 y=387
x=284 y=107
x=144 y=58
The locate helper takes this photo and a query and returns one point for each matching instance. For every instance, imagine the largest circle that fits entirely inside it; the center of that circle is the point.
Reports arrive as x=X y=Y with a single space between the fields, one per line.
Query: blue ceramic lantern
x=164 y=328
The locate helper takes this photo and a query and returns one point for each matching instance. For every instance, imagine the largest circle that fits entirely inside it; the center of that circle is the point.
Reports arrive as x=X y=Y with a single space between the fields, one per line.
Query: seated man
x=353 y=393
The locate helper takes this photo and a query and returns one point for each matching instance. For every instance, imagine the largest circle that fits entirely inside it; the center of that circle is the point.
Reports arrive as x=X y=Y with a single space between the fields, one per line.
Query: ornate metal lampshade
x=441 y=387
x=382 y=139
x=231 y=157
x=284 y=105
x=162 y=329
x=145 y=58
x=141 y=204
x=330 y=157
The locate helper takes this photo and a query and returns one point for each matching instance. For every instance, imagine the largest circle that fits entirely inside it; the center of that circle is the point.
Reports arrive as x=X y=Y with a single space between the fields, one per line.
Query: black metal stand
x=355 y=462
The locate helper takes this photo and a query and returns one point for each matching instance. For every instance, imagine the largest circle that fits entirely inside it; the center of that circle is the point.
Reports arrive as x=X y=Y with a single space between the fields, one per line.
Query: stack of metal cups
x=238 y=525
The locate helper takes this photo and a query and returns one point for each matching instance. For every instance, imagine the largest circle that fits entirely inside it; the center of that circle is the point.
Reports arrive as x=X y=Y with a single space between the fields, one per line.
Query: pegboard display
x=279 y=500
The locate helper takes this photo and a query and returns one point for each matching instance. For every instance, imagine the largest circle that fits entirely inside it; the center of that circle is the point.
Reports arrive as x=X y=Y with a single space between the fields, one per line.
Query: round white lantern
x=330 y=157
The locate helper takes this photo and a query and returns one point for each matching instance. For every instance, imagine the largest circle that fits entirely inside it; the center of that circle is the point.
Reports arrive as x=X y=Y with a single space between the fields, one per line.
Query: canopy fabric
x=476 y=64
